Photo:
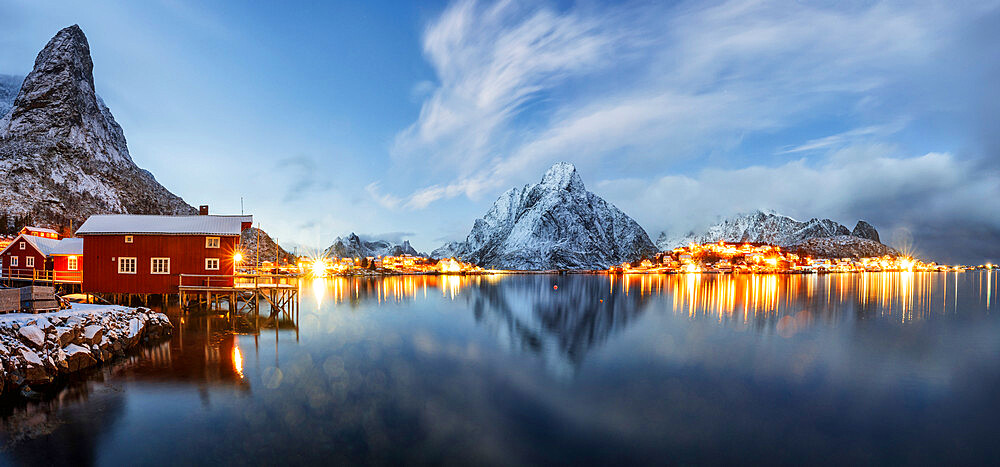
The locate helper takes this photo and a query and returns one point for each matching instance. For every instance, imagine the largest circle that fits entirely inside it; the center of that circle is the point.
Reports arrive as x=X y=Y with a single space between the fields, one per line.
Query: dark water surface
x=833 y=369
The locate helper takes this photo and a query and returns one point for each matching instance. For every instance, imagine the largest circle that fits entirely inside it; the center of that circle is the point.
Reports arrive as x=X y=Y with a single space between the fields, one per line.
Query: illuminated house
x=138 y=254
x=45 y=258
x=39 y=232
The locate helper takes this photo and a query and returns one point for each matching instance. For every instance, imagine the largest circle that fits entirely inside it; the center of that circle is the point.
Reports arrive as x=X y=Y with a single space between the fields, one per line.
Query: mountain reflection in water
x=851 y=368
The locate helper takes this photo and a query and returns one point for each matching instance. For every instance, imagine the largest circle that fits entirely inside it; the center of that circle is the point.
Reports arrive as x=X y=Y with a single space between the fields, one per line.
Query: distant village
x=722 y=257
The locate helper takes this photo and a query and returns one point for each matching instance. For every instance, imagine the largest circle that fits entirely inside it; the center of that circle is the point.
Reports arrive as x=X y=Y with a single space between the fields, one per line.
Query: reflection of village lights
x=237 y=360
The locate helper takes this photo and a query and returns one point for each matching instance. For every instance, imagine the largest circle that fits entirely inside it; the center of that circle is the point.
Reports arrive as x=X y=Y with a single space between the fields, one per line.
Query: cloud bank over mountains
x=693 y=111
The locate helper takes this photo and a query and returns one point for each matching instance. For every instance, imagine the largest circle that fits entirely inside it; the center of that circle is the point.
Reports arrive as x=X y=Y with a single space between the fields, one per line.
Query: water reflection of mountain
x=561 y=317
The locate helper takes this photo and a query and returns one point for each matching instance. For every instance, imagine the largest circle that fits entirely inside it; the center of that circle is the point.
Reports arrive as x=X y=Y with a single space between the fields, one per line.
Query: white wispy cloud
x=520 y=87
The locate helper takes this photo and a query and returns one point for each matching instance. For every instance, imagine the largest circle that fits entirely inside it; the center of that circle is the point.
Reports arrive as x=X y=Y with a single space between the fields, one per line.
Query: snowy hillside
x=773 y=228
x=354 y=247
x=555 y=224
x=62 y=155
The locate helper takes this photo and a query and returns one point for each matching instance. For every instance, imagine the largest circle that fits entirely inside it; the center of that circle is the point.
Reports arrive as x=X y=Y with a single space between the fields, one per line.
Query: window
x=211 y=242
x=128 y=239
x=21 y=245
x=212 y=264
x=126 y=265
x=159 y=265
x=71 y=263
x=13 y=261
x=29 y=261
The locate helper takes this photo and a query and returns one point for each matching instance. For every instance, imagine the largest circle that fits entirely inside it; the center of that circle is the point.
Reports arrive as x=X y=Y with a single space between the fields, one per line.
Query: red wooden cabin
x=33 y=257
x=140 y=254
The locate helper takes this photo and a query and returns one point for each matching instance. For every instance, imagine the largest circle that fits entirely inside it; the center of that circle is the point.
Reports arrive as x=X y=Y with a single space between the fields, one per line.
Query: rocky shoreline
x=35 y=349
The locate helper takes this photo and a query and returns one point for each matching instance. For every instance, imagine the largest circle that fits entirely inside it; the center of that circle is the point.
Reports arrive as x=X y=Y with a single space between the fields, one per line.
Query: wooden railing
x=234 y=280
x=41 y=275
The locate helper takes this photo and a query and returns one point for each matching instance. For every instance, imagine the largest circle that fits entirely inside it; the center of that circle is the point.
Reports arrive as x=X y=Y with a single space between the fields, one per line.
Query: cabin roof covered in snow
x=131 y=224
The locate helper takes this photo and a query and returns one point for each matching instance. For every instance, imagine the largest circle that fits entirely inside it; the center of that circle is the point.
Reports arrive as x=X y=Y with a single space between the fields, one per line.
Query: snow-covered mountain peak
x=554 y=224
x=62 y=155
x=562 y=175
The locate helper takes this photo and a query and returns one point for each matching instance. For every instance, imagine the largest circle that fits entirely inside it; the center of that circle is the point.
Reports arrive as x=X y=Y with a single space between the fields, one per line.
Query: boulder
x=92 y=334
x=78 y=358
x=65 y=335
x=32 y=335
x=34 y=369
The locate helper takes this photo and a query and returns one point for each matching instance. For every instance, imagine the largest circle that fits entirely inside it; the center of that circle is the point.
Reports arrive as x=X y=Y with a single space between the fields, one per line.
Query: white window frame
x=213 y=242
x=21 y=245
x=122 y=260
x=128 y=239
x=13 y=261
x=29 y=261
x=72 y=263
x=208 y=262
x=152 y=265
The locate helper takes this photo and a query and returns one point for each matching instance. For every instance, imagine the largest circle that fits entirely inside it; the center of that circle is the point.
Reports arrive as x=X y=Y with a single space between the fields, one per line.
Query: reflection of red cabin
x=137 y=254
x=45 y=258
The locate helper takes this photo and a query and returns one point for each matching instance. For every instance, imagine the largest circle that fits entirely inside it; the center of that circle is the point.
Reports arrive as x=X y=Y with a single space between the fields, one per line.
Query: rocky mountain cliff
x=773 y=228
x=269 y=250
x=354 y=247
x=62 y=155
x=555 y=224
x=842 y=246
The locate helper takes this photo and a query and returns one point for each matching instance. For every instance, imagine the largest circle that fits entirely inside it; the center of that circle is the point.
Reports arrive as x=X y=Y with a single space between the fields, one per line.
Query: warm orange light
x=238 y=257
x=237 y=360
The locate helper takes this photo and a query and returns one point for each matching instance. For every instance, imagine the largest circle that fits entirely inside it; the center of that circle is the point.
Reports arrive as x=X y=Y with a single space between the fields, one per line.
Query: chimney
x=203 y=210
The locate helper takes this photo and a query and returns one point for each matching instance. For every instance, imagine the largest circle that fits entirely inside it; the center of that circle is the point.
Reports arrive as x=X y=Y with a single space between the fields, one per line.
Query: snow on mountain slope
x=62 y=155
x=555 y=224
x=817 y=237
x=9 y=86
x=354 y=247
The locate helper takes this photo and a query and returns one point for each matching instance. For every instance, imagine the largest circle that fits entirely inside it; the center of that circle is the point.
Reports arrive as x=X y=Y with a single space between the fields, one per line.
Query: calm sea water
x=832 y=369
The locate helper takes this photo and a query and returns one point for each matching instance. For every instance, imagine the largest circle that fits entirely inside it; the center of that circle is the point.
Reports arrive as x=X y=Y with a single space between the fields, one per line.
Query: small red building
x=140 y=254
x=45 y=258
x=39 y=232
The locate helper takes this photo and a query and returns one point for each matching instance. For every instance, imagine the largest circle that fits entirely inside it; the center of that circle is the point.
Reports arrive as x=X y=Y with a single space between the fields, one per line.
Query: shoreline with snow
x=37 y=349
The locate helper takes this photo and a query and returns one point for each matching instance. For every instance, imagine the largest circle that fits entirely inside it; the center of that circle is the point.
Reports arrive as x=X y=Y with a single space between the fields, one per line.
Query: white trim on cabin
x=159 y=265
x=126 y=265
x=212 y=264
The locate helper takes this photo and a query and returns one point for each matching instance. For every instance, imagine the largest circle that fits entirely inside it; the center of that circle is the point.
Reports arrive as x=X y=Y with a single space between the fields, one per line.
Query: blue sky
x=407 y=119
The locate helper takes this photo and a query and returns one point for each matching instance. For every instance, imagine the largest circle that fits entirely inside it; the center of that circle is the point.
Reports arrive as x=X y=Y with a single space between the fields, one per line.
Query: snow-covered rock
x=554 y=224
x=353 y=246
x=70 y=340
x=62 y=155
x=32 y=335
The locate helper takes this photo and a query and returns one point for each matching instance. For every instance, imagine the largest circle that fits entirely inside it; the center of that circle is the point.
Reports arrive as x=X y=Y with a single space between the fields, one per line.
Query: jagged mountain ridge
x=765 y=227
x=554 y=224
x=63 y=157
x=842 y=246
x=353 y=246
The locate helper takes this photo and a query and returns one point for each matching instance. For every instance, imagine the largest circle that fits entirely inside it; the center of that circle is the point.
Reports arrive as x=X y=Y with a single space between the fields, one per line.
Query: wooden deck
x=280 y=292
